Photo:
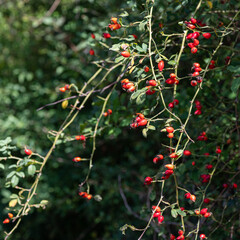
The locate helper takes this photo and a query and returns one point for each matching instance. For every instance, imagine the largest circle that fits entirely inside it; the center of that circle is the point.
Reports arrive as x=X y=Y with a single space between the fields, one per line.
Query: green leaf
x=20 y=174
x=31 y=169
x=115 y=47
x=141 y=98
x=235 y=84
x=2 y=166
x=5 y=141
x=144 y=132
x=174 y=213
x=11 y=174
x=14 y=181
x=172 y=62
x=124 y=14
x=180 y=212
x=151 y=127
x=137 y=93
x=144 y=47
x=119 y=59
x=152 y=196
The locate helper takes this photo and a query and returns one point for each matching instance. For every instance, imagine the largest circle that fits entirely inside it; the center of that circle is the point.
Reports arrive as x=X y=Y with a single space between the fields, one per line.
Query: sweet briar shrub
x=145 y=117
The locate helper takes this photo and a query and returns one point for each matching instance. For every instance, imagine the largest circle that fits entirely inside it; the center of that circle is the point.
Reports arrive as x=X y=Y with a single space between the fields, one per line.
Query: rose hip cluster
x=180 y=236
x=65 y=88
x=195 y=35
x=190 y=196
x=198 y=106
x=157 y=214
x=173 y=103
x=85 y=195
x=149 y=87
x=139 y=121
x=173 y=79
x=196 y=67
x=10 y=215
x=127 y=85
x=108 y=113
x=202 y=137
x=212 y=64
x=168 y=172
x=204 y=212
x=114 y=24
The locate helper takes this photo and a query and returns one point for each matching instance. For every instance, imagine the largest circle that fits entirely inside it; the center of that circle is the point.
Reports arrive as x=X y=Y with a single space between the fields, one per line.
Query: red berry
x=80 y=137
x=160 y=219
x=126 y=54
x=193 y=50
x=180 y=232
x=135 y=36
x=109 y=111
x=6 y=221
x=202 y=236
x=225 y=185
x=149 y=91
x=196 y=65
x=193 y=198
x=197 y=69
x=148 y=181
x=209 y=166
x=218 y=150
x=189 y=36
x=77 y=159
x=173 y=76
x=156 y=214
x=182 y=208
x=176 y=102
x=207 y=35
x=195 y=42
x=191 y=26
x=28 y=151
x=170 y=135
x=195 y=35
x=93 y=36
x=106 y=35
x=169 y=166
x=143 y=122
x=191 y=45
x=194 y=83
x=170 y=129
x=193 y=163
x=187 y=195
x=10 y=215
x=208 y=214
x=172 y=237
x=193 y=21
x=161 y=65
x=152 y=83
x=206 y=200
x=173 y=155
x=203 y=211
x=187 y=153
x=195 y=74
x=171 y=105
x=146 y=69
x=62 y=89
x=91 y=52
x=234 y=185
x=181 y=237
x=198 y=112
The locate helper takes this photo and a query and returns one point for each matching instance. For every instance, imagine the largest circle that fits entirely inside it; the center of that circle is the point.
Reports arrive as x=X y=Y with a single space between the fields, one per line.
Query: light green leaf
x=31 y=169
x=14 y=181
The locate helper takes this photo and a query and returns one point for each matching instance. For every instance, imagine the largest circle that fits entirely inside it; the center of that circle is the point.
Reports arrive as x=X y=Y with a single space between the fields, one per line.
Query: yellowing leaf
x=210 y=5
x=13 y=203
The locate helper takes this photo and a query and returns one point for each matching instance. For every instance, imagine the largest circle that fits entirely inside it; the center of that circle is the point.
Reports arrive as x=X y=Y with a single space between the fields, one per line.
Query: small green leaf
x=11 y=174
x=144 y=132
x=31 y=169
x=172 y=62
x=20 y=174
x=151 y=127
x=141 y=98
x=14 y=181
x=180 y=212
x=119 y=59
x=174 y=213
x=2 y=166
x=235 y=84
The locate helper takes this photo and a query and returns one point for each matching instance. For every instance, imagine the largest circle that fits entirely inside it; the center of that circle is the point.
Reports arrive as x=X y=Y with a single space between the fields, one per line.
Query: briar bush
x=120 y=120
